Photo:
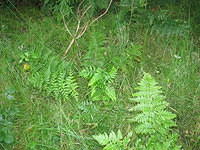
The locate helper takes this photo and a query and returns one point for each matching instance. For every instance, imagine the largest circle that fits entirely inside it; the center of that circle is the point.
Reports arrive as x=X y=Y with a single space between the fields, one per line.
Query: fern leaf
x=72 y=86
x=113 y=141
x=88 y=72
x=110 y=91
x=154 y=122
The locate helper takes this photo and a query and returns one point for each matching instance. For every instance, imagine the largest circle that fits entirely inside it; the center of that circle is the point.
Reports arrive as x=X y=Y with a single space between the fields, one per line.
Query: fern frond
x=154 y=121
x=54 y=78
x=113 y=141
x=111 y=75
x=71 y=86
x=88 y=72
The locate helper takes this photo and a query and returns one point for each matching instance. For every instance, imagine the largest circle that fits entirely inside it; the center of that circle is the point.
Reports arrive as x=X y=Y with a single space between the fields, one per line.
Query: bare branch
x=78 y=9
x=100 y=16
x=66 y=27
x=83 y=31
x=77 y=28
x=85 y=11
x=85 y=26
x=93 y=21
x=69 y=46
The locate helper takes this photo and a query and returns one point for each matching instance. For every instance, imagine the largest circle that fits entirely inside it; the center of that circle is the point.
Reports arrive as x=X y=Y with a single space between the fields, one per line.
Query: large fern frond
x=54 y=78
x=154 y=121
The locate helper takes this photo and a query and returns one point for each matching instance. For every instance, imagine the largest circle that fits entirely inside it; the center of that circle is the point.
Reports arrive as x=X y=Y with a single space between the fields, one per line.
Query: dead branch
x=79 y=32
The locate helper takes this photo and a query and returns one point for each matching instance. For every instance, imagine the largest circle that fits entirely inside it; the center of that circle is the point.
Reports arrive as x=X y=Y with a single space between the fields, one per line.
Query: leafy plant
x=113 y=141
x=100 y=83
x=6 y=136
x=59 y=6
x=55 y=78
x=154 y=121
x=128 y=58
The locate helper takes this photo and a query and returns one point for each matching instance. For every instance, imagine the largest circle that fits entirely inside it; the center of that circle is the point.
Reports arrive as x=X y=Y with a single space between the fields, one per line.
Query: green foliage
x=96 y=50
x=163 y=23
x=128 y=58
x=68 y=8
x=63 y=7
x=113 y=141
x=135 y=3
x=156 y=16
x=100 y=83
x=8 y=113
x=154 y=121
x=55 y=78
x=6 y=135
x=132 y=37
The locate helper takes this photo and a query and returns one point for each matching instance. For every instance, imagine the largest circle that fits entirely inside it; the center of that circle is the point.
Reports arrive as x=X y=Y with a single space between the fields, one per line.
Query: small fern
x=113 y=141
x=55 y=78
x=154 y=121
x=100 y=83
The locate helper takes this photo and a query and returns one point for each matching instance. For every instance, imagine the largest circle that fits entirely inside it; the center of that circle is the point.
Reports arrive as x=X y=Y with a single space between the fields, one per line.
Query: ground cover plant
x=93 y=75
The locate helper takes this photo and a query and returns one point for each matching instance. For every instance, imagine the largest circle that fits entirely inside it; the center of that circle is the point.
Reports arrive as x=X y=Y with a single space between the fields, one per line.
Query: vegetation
x=154 y=121
x=70 y=69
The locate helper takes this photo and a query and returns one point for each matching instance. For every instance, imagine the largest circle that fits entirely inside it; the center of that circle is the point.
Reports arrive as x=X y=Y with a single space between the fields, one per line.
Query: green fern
x=100 y=83
x=54 y=78
x=154 y=121
x=71 y=86
x=88 y=72
x=113 y=141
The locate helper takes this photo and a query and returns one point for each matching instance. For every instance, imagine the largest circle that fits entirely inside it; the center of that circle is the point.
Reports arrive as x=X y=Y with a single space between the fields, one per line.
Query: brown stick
x=69 y=46
x=85 y=27
x=105 y=12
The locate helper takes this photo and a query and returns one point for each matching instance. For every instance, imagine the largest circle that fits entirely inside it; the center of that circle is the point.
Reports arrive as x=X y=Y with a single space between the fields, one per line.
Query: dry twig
x=79 y=32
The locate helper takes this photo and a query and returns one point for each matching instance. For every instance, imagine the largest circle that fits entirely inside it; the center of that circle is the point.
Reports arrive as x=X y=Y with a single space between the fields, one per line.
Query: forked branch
x=79 y=32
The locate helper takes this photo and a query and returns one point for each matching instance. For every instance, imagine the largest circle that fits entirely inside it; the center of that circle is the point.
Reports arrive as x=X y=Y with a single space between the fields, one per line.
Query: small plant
x=113 y=141
x=100 y=83
x=55 y=78
x=6 y=135
x=154 y=121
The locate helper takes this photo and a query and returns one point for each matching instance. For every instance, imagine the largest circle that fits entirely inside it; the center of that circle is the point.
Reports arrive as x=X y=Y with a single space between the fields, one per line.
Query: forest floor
x=34 y=120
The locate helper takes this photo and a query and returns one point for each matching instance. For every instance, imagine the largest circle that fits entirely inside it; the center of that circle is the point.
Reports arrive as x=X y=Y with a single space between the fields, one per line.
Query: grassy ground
x=40 y=122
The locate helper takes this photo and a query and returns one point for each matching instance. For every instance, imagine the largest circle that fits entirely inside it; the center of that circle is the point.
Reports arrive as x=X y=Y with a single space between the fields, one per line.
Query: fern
x=154 y=121
x=54 y=78
x=88 y=72
x=100 y=83
x=113 y=141
x=71 y=86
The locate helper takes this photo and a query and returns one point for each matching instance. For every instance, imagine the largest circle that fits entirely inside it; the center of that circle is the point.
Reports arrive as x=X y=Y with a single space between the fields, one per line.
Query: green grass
x=41 y=122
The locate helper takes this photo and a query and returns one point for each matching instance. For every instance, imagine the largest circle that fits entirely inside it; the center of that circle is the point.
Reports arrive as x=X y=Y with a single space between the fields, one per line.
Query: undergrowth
x=62 y=102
